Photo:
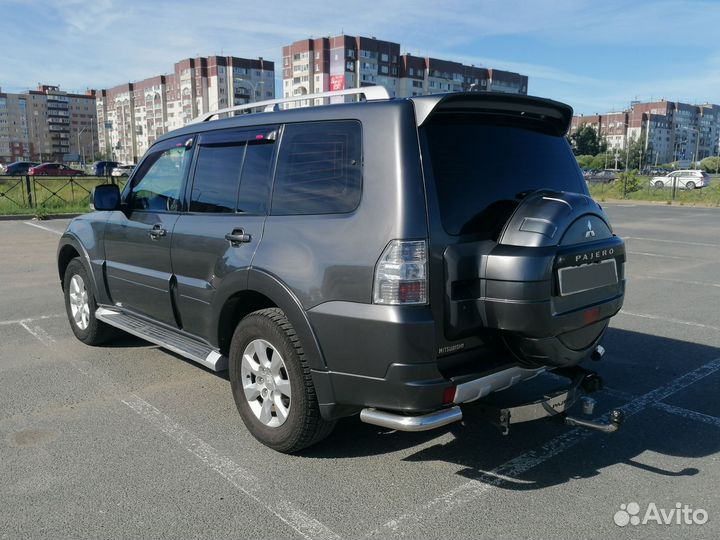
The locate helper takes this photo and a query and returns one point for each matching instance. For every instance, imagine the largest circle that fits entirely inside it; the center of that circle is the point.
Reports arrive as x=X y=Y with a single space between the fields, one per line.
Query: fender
x=94 y=271
x=284 y=298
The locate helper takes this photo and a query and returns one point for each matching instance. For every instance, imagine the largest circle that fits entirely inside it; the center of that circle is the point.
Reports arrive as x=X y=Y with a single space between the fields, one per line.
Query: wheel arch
x=265 y=291
x=69 y=249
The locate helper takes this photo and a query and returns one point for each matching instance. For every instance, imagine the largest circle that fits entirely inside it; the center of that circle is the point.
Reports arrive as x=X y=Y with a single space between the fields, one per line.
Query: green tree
x=711 y=164
x=586 y=141
x=584 y=161
x=635 y=154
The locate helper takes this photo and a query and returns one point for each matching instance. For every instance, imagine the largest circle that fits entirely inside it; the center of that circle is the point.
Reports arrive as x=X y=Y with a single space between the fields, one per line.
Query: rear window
x=482 y=170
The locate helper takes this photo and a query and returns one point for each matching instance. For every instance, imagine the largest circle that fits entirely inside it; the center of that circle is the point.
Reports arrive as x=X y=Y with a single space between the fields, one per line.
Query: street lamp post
x=79 y=150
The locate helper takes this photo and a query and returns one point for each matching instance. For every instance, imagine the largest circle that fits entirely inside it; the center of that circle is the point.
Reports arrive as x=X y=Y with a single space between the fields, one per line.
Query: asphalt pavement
x=131 y=441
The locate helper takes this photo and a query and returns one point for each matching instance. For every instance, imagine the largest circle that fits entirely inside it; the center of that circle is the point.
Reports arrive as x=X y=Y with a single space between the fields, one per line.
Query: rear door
x=138 y=238
x=215 y=240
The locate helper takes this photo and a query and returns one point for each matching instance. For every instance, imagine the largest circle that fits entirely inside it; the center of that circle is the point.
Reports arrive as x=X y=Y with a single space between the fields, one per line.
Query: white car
x=687 y=179
x=122 y=170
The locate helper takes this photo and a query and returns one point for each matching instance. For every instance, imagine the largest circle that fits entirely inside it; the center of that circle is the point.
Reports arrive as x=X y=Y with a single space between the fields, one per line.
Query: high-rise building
x=336 y=63
x=133 y=115
x=47 y=124
x=669 y=131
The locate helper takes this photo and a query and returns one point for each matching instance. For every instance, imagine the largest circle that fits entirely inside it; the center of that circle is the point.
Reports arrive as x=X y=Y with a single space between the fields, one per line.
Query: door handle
x=237 y=237
x=157 y=231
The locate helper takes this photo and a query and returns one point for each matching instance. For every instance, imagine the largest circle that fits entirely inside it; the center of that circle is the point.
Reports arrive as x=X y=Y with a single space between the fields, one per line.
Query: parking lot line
x=43 y=228
x=688 y=413
x=474 y=489
x=659 y=255
x=243 y=480
x=41 y=335
x=31 y=319
x=663 y=240
x=674 y=280
x=669 y=320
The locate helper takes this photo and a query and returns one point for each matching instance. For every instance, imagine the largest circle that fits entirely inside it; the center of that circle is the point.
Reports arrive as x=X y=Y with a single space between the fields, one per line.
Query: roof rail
x=371 y=93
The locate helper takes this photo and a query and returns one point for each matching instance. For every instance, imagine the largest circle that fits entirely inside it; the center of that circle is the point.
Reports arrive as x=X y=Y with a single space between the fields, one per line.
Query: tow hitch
x=556 y=404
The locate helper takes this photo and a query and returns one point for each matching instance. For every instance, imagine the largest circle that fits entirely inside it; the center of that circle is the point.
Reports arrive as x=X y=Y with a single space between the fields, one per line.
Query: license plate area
x=577 y=279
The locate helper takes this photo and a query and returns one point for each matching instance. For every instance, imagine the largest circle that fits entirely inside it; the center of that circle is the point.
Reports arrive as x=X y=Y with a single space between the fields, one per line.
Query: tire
x=265 y=343
x=659 y=184
x=690 y=185
x=80 y=306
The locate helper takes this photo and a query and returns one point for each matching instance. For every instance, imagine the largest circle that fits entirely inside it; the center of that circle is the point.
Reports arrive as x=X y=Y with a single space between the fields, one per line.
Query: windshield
x=482 y=170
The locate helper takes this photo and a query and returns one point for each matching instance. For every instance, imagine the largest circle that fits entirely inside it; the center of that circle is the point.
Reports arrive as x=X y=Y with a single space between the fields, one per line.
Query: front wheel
x=272 y=385
x=659 y=184
x=80 y=305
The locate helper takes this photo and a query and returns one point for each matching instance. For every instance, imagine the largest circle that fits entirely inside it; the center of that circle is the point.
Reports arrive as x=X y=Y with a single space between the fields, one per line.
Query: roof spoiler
x=556 y=114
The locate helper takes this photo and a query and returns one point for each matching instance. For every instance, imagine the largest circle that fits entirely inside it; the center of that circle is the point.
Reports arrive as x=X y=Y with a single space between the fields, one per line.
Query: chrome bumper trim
x=401 y=422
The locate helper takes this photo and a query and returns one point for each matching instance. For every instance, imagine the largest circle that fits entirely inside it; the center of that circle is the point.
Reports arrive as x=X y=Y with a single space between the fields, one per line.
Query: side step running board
x=166 y=338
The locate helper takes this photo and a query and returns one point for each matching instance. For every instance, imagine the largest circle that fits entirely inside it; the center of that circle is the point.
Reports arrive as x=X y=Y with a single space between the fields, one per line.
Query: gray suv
x=394 y=258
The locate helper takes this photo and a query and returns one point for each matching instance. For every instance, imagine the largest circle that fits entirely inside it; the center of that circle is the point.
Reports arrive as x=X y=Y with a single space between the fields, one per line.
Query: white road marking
x=659 y=255
x=41 y=335
x=669 y=320
x=701 y=244
x=689 y=414
x=474 y=489
x=236 y=475
x=31 y=319
x=43 y=228
x=242 y=479
x=674 y=280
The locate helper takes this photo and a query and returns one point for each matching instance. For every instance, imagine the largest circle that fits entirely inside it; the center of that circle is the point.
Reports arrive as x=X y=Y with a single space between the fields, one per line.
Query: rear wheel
x=272 y=385
x=690 y=185
x=80 y=305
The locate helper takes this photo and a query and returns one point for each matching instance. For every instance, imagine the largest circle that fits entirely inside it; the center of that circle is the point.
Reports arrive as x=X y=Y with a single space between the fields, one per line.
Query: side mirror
x=106 y=197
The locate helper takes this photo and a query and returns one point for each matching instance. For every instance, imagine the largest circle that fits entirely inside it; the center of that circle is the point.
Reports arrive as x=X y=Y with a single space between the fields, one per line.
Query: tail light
x=401 y=274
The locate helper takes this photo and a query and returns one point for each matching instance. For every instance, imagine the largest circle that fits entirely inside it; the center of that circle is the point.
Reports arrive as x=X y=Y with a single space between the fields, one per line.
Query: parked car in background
x=684 y=179
x=601 y=177
x=54 y=169
x=122 y=170
x=19 y=167
x=103 y=168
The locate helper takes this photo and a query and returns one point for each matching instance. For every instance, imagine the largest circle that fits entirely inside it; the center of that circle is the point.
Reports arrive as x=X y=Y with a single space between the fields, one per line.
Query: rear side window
x=319 y=169
x=233 y=171
x=483 y=169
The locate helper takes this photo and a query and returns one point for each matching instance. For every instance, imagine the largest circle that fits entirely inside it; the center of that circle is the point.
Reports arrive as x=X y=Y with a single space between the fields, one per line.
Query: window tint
x=233 y=171
x=157 y=184
x=482 y=170
x=255 y=182
x=216 y=178
x=319 y=169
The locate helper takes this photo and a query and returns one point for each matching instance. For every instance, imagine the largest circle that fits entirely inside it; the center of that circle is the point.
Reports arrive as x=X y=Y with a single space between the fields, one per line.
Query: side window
x=233 y=171
x=319 y=169
x=156 y=186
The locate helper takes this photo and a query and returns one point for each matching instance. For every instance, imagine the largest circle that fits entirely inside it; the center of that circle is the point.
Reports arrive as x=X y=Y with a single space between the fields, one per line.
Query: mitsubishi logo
x=589 y=233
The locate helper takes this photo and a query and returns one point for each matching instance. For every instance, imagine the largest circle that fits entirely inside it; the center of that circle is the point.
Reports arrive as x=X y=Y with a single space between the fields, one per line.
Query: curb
x=26 y=217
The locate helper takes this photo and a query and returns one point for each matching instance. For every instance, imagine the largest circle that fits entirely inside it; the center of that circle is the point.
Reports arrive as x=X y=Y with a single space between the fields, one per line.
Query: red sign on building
x=337 y=82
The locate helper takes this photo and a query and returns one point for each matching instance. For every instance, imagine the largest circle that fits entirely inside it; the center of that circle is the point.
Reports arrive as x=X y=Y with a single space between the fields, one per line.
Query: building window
x=384 y=57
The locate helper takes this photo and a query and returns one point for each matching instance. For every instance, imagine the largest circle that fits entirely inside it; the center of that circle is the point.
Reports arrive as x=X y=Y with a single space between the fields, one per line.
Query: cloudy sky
x=594 y=55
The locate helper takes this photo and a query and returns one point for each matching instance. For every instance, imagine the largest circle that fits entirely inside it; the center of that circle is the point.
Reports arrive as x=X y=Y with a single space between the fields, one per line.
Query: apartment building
x=670 y=131
x=340 y=62
x=133 y=115
x=47 y=124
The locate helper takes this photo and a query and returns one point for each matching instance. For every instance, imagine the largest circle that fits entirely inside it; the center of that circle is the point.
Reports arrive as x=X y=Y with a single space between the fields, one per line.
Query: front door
x=215 y=241
x=138 y=238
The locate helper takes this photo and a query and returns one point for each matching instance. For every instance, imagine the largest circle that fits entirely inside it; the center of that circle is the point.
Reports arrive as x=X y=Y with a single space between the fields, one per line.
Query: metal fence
x=49 y=192
x=641 y=188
